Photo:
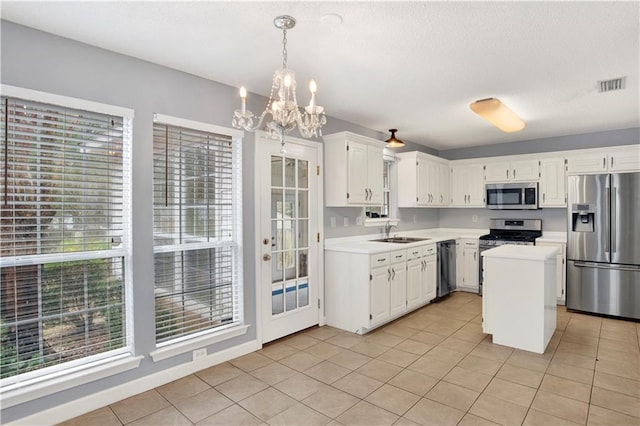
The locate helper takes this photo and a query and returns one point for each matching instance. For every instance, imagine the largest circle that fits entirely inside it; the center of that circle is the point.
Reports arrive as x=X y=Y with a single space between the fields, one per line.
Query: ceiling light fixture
x=282 y=104
x=497 y=113
x=394 y=142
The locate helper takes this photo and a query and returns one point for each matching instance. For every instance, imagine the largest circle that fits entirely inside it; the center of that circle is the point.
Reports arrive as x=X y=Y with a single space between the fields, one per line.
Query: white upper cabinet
x=423 y=180
x=618 y=159
x=467 y=185
x=553 y=183
x=353 y=170
x=525 y=170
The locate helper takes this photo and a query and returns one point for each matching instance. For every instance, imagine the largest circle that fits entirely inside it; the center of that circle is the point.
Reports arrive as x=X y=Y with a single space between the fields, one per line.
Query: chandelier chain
x=284 y=48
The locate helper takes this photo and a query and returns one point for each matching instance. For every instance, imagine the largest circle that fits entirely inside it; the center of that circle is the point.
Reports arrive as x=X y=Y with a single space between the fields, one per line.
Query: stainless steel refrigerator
x=603 y=244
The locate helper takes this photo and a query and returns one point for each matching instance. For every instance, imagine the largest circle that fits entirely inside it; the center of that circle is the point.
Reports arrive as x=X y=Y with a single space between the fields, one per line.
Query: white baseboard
x=103 y=398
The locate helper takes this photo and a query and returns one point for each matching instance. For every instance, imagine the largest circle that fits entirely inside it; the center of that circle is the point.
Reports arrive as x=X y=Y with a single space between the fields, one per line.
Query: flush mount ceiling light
x=394 y=142
x=282 y=104
x=497 y=113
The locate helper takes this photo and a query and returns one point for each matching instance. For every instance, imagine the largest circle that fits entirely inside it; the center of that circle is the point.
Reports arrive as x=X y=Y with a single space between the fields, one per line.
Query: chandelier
x=282 y=104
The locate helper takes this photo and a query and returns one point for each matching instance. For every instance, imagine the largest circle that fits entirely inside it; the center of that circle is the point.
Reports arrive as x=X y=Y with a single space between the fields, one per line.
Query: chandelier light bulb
x=313 y=87
x=243 y=97
x=287 y=80
x=243 y=92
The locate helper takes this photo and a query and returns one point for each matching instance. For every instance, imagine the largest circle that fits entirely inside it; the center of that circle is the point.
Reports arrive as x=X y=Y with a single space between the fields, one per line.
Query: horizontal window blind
x=63 y=206
x=195 y=236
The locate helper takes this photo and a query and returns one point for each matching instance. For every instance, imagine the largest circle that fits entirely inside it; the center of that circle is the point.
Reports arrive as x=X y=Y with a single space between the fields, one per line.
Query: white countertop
x=553 y=237
x=509 y=251
x=362 y=243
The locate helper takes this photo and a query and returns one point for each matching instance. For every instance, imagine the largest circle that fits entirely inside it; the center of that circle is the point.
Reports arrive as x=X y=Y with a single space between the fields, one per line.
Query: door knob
x=266 y=257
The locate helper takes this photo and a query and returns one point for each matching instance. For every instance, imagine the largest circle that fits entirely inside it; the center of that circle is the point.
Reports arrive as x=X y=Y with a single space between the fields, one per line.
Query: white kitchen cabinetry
x=467 y=264
x=561 y=269
x=421 y=275
x=467 y=185
x=423 y=180
x=354 y=165
x=553 y=183
x=525 y=170
x=619 y=159
x=365 y=291
x=398 y=283
x=430 y=278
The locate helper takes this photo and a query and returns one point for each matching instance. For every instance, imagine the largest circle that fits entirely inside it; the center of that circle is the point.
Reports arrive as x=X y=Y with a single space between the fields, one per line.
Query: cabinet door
x=443 y=185
x=422 y=196
x=553 y=183
x=458 y=185
x=379 y=294
x=374 y=174
x=475 y=185
x=590 y=163
x=357 y=173
x=525 y=170
x=415 y=269
x=431 y=277
x=625 y=159
x=398 y=289
x=470 y=268
x=498 y=172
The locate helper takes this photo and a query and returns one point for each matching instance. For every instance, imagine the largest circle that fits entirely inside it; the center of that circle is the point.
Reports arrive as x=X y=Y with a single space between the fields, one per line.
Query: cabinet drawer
x=415 y=252
x=379 y=259
x=431 y=249
x=470 y=244
x=398 y=256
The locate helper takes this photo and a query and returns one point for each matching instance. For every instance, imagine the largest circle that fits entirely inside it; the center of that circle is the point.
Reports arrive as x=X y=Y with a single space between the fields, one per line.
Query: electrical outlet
x=474 y=218
x=199 y=353
x=346 y=221
x=359 y=220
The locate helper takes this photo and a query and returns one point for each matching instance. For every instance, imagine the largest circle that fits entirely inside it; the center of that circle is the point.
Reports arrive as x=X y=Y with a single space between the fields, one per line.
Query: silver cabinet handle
x=604 y=162
x=611 y=162
x=606 y=266
x=543 y=196
x=507 y=173
x=514 y=173
x=393 y=277
x=607 y=219
x=474 y=255
x=388 y=274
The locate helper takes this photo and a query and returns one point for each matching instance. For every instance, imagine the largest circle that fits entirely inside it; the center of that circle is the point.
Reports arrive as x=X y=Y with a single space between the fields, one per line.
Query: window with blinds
x=64 y=214
x=196 y=213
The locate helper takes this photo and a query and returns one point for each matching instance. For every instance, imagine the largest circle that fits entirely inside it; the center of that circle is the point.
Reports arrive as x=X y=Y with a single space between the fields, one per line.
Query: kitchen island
x=519 y=299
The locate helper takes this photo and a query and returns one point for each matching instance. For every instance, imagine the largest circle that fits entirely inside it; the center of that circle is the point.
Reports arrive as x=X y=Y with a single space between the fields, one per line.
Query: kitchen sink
x=401 y=240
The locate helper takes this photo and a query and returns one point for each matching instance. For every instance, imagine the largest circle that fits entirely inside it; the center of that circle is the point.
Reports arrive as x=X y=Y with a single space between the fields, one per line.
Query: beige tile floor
x=431 y=367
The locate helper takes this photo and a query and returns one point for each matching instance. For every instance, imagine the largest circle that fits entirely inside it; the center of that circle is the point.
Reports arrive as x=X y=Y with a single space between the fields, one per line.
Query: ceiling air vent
x=611 y=85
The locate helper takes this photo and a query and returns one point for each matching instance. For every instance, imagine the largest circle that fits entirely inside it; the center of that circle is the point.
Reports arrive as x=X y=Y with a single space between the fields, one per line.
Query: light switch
x=346 y=221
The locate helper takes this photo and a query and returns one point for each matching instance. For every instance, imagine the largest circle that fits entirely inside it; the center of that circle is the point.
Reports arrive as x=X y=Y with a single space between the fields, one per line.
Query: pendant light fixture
x=394 y=142
x=497 y=113
x=282 y=104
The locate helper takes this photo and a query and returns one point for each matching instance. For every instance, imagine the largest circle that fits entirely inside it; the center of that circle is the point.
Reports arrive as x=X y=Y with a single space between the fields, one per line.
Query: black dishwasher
x=446 y=267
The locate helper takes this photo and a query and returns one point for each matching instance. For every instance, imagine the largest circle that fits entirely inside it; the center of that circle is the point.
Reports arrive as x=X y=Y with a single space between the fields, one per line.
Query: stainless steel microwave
x=512 y=196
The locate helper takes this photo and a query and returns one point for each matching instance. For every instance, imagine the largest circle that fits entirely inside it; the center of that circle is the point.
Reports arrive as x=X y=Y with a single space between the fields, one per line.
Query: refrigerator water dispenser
x=583 y=218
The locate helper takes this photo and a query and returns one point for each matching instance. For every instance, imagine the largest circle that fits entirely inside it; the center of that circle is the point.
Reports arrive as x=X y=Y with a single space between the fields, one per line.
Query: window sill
x=198 y=342
x=381 y=221
x=29 y=390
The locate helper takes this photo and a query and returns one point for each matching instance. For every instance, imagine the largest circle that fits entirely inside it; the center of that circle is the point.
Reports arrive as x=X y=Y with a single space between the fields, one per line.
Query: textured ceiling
x=412 y=65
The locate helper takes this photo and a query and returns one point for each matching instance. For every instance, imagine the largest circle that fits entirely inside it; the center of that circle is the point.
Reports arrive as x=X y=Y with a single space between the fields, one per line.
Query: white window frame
x=204 y=338
x=46 y=381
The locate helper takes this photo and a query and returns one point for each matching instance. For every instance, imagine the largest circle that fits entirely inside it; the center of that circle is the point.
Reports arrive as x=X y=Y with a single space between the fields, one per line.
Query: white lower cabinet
x=365 y=291
x=561 y=270
x=467 y=264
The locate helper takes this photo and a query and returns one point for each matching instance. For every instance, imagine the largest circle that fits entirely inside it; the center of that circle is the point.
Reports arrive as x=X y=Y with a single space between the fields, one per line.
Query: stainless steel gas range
x=508 y=231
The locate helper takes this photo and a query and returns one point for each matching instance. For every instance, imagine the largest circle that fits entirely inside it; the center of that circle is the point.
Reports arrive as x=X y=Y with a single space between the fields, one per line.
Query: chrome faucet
x=387 y=228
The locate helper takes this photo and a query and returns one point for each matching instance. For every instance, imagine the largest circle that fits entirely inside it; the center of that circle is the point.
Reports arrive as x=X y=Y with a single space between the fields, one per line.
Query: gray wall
x=560 y=143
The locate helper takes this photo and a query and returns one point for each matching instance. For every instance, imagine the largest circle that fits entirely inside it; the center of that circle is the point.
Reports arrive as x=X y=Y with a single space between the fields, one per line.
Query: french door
x=290 y=253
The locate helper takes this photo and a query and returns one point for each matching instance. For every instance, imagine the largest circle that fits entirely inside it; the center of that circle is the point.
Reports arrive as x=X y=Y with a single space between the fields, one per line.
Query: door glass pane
x=291 y=296
x=290 y=172
x=289 y=259
x=276 y=171
x=276 y=204
x=289 y=203
x=302 y=270
x=303 y=203
x=303 y=294
x=303 y=172
x=277 y=299
x=303 y=233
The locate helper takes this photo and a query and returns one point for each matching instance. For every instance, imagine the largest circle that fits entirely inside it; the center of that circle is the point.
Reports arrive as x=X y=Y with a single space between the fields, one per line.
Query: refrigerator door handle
x=606 y=266
x=614 y=201
x=607 y=219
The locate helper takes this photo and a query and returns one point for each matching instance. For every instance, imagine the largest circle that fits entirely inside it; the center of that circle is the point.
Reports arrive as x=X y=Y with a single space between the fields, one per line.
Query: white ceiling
x=412 y=65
